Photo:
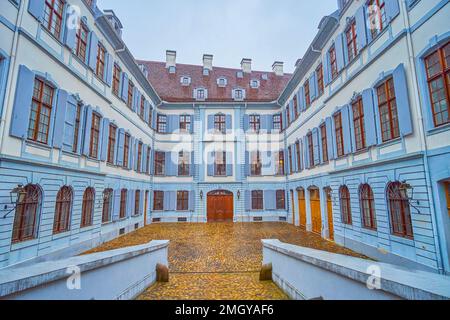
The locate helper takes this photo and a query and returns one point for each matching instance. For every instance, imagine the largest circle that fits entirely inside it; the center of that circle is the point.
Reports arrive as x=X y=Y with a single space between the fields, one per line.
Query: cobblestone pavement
x=225 y=258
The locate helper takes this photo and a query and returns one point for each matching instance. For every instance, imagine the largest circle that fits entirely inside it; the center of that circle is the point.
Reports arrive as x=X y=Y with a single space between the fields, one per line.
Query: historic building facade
x=353 y=146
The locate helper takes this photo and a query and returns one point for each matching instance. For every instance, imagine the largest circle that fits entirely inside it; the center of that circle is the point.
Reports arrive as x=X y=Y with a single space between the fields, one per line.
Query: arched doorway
x=301 y=207
x=316 y=215
x=220 y=206
x=330 y=213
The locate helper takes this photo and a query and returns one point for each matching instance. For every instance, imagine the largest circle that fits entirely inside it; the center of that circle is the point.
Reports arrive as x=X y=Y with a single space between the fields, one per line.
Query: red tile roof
x=169 y=87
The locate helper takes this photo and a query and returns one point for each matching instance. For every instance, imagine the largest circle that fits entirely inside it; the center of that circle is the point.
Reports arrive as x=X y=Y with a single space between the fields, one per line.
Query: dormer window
x=172 y=70
x=200 y=94
x=254 y=84
x=239 y=94
x=265 y=76
x=185 y=81
x=240 y=74
x=205 y=72
x=222 y=82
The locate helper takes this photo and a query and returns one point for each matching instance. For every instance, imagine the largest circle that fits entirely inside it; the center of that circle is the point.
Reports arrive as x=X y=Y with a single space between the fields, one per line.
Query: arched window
x=346 y=211
x=107 y=205
x=123 y=203
x=401 y=224
x=26 y=217
x=63 y=210
x=87 y=210
x=367 y=201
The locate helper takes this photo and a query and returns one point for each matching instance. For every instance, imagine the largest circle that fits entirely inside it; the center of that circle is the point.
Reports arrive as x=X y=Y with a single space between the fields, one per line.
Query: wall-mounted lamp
x=406 y=191
x=239 y=194
x=17 y=195
x=201 y=194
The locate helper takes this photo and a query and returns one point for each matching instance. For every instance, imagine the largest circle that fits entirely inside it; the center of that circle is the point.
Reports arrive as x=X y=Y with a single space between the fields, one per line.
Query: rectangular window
x=82 y=38
x=126 y=150
x=76 y=129
x=100 y=71
x=277 y=124
x=238 y=94
x=160 y=163
x=255 y=123
x=53 y=17
x=41 y=109
x=281 y=200
x=311 y=150
x=290 y=159
x=256 y=164
x=324 y=142
x=257 y=200
x=158 y=201
x=139 y=157
x=288 y=116
x=183 y=164
x=130 y=94
x=220 y=123
x=339 y=134
x=142 y=108
x=320 y=84
x=352 y=43
x=182 y=201
x=95 y=136
x=333 y=62
x=220 y=164
x=147 y=160
x=438 y=75
x=299 y=156
x=137 y=202
x=387 y=105
x=200 y=94
x=185 y=123
x=280 y=164
x=116 y=80
x=378 y=17
x=295 y=103
x=123 y=203
x=111 y=143
x=161 y=123
x=307 y=95
x=358 y=124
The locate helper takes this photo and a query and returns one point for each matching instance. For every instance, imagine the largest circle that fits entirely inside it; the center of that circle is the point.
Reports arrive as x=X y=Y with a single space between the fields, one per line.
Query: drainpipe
x=422 y=134
x=12 y=64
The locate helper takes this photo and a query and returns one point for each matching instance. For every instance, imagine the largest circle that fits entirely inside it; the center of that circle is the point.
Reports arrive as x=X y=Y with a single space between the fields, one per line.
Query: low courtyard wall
x=305 y=273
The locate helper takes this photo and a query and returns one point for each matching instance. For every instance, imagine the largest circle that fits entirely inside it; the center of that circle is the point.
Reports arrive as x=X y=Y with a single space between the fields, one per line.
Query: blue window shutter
x=312 y=86
x=130 y=202
x=246 y=122
x=169 y=165
x=131 y=153
x=326 y=69
x=87 y=130
x=192 y=124
x=210 y=164
x=69 y=125
x=191 y=200
x=22 y=103
x=154 y=118
x=116 y=205
x=210 y=122
x=93 y=50
x=269 y=123
x=152 y=161
x=320 y=146
x=36 y=9
x=109 y=69
x=173 y=122
x=315 y=133
x=70 y=32
x=173 y=201
x=369 y=118
x=294 y=159
x=306 y=152
x=339 y=46
x=124 y=87
x=60 y=118
x=141 y=202
x=120 y=147
x=134 y=104
x=229 y=159
x=269 y=200
x=166 y=201
x=352 y=128
x=346 y=129
x=291 y=110
x=285 y=124
x=287 y=167
x=361 y=27
x=403 y=107
x=228 y=123
x=248 y=200
x=330 y=140
x=105 y=136
x=146 y=111
x=247 y=163
x=192 y=165
x=392 y=9
x=143 y=168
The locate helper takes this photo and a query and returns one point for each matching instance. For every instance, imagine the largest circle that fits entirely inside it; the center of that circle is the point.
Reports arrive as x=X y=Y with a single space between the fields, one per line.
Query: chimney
x=277 y=68
x=246 y=65
x=171 y=58
x=208 y=61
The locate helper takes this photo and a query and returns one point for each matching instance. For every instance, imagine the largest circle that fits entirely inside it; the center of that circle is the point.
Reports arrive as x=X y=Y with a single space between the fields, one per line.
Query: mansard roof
x=169 y=88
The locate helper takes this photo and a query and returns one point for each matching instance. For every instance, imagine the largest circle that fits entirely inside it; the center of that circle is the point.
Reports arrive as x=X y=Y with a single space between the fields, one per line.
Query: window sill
x=440 y=129
x=52 y=35
x=104 y=224
x=390 y=142
x=74 y=55
x=403 y=240
x=24 y=244
x=60 y=235
x=37 y=144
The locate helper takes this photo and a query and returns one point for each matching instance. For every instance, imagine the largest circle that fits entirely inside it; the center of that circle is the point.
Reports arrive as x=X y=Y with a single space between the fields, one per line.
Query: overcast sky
x=263 y=30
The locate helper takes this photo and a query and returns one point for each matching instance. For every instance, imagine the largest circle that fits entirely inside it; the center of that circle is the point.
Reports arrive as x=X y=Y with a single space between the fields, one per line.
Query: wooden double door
x=316 y=213
x=220 y=206
x=302 y=207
